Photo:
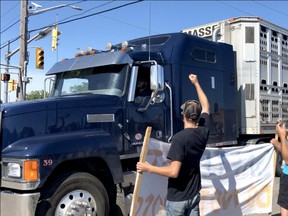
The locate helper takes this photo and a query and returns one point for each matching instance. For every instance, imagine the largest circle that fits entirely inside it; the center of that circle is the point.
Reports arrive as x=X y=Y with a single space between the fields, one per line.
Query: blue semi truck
x=68 y=154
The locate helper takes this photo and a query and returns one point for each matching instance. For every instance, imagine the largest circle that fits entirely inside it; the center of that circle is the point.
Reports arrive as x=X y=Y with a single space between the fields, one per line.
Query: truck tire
x=77 y=194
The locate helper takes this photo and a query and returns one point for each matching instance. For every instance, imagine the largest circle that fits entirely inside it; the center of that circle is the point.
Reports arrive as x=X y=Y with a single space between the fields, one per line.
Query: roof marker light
x=91 y=50
x=124 y=46
x=108 y=46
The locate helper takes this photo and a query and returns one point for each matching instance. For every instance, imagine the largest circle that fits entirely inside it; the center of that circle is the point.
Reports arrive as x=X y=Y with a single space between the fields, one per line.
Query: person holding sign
x=187 y=147
x=283 y=148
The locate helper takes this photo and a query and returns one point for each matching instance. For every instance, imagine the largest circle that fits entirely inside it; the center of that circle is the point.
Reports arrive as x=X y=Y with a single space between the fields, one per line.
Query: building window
x=249 y=35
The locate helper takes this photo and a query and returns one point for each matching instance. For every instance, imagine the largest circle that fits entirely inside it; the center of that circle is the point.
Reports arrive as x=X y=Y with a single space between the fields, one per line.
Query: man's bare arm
x=171 y=171
x=281 y=131
x=201 y=95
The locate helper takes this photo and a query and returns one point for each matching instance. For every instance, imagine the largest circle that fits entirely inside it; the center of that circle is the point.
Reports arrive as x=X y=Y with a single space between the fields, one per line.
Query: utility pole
x=23 y=48
x=7 y=71
x=22 y=82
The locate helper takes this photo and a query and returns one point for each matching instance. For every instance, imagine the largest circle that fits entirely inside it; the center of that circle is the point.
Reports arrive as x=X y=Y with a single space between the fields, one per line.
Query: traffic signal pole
x=8 y=56
x=22 y=82
x=7 y=71
x=23 y=49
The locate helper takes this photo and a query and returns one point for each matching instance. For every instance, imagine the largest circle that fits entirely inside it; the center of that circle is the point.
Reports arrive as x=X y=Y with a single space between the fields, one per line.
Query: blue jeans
x=183 y=208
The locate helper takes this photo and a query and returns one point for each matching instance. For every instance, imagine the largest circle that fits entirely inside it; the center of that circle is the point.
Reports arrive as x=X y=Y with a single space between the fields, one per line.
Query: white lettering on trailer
x=204 y=31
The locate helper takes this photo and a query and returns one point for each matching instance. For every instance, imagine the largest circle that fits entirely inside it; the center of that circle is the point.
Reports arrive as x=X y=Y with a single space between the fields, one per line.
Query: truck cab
x=68 y=152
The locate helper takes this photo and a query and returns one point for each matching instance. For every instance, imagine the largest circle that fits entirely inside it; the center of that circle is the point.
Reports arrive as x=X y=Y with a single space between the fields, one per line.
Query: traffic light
x=39 y=58
x=5 y=77
x=12 y=85
x=55 y=39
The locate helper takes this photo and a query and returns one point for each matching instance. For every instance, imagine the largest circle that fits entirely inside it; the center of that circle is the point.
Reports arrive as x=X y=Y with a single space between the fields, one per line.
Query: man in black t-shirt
x=187 y=147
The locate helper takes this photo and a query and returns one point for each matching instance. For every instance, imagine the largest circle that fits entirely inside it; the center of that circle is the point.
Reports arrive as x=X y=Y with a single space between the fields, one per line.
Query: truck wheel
x=79 y=194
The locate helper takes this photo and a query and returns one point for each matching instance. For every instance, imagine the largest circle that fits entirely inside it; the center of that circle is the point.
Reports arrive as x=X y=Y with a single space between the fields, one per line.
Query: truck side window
x=203 y=55
x=143 y=83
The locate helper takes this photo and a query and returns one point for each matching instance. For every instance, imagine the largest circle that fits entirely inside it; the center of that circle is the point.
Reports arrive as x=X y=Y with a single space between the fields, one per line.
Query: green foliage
x=34 y=95
x=79 y=88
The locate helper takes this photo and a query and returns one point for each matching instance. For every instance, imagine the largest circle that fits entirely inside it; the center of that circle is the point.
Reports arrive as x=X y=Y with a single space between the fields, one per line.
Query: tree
x=79 y=88
x=34 y=95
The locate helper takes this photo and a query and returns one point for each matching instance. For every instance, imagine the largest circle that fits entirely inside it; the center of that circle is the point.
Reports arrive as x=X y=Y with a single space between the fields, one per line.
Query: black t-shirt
x=187 y=147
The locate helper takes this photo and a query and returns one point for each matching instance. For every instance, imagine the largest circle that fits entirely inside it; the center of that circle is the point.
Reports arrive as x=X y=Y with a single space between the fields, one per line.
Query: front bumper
x=18 y=204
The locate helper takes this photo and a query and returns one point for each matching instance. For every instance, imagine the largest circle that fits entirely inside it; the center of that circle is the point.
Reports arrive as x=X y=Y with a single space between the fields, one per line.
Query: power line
x=13 y=40
x=83 y=17
x=10 y=42
x=280 y=12
x=236 y=8
x=134 y=26
x=103 y=15
x=88 y=10
x=74 y=3
x=9 y=10
x=13 y=7
x=19 y=19
x=9 y=26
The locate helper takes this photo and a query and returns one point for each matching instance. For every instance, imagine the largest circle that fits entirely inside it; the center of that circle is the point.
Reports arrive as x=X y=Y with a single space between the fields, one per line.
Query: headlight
x=24 y=170
x=21 y=174
x=14 y=170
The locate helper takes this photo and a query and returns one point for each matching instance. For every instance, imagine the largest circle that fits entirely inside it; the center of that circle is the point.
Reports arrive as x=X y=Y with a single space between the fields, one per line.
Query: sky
x=115 y=21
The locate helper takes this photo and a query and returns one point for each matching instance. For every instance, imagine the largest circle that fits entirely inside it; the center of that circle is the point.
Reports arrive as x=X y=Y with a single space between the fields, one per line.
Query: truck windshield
x=106 y=80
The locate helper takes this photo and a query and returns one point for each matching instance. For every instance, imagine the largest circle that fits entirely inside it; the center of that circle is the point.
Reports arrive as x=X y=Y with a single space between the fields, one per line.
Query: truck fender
x=53 y=149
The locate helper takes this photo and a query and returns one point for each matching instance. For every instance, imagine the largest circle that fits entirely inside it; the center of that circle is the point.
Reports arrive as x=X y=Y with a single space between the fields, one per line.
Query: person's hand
x=281 y=130
x=193 y=78
x=142 y=167
x=274 y=141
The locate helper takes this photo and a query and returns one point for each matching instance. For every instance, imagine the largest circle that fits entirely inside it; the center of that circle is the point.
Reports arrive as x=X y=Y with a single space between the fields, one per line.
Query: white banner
x=235 y=181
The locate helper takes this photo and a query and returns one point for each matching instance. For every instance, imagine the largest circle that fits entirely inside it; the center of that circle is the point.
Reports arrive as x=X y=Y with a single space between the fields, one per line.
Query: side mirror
x=50 y=81
x=156 y=85
x=157 y=78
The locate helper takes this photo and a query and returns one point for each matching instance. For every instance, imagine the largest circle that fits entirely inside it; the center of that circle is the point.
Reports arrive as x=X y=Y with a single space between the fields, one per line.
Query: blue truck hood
x=21 y=120
x=17 y=108
x=59 y=129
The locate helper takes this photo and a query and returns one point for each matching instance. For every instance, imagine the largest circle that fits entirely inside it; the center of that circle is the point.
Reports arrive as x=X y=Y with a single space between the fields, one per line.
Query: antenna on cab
x=149 y=27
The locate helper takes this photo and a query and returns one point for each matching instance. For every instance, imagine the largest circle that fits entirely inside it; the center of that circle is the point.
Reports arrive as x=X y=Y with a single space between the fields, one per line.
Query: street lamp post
x=21 y=95
x=31 y=13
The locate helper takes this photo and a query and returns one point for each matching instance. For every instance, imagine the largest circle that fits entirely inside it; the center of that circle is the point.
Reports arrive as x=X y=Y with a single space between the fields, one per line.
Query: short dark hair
x=191 y=110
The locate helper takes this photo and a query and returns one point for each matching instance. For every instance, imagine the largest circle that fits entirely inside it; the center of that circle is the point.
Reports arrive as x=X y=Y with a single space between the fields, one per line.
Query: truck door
x=141 y=114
